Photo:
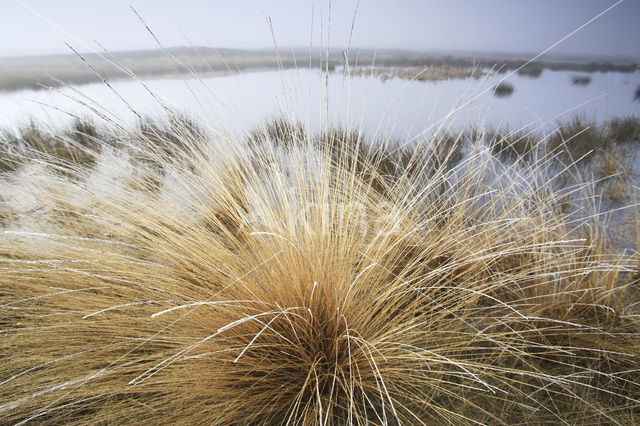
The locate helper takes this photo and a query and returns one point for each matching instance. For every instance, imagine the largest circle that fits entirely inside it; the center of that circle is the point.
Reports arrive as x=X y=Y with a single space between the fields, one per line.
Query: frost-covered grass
x=188 y=275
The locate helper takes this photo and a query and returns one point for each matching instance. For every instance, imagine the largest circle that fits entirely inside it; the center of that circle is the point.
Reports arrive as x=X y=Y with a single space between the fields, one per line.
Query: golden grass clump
x=310 y=286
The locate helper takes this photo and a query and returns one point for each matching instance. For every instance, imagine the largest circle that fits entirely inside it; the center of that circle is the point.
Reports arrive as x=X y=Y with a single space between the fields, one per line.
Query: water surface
x=396 y=106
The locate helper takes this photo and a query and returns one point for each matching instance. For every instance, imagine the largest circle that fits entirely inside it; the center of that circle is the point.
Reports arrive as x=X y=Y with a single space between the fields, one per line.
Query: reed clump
x=581 y=80
x=503 y=89
x=333 y=282
x=440 y=72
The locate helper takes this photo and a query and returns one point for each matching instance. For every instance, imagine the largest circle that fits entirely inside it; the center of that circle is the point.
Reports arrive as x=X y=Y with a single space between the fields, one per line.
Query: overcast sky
x=29 y=27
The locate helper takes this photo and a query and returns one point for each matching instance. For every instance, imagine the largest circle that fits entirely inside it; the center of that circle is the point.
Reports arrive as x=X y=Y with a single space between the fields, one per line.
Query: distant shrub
x=503 y=89
x=636 y=96
x=581 y=80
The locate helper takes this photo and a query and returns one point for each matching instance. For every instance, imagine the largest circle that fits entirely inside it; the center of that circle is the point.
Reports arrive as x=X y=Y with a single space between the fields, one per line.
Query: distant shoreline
x=38 y=72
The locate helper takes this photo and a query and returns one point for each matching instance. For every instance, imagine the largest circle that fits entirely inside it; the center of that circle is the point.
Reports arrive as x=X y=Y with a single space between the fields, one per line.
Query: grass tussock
x=9 y=152
x=158 y=142
x=624 y=130
x=578 y=140
x=503 y=89
x=76 y=146
x=614 y=168
x=511 y=145
x=278 y=131
x=334 y=282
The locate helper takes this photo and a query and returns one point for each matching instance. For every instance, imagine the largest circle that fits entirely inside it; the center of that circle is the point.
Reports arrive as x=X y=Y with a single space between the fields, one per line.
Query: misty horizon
x=301 y=51
x=36 y=27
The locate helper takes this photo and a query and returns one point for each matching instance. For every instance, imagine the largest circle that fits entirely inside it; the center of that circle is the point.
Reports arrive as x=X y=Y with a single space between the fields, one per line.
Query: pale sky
x=29 y=27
